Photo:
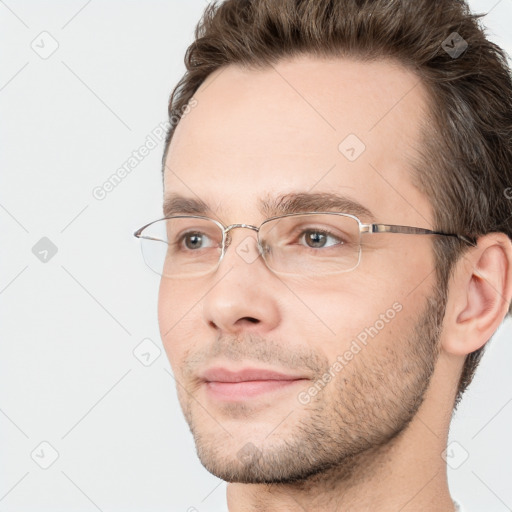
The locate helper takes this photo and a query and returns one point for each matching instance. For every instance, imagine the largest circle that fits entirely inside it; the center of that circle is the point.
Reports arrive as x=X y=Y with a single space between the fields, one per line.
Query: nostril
x=250 y=319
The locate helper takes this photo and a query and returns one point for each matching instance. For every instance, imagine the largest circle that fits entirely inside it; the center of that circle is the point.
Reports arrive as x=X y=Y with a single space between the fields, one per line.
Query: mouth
x=227 y=385
x=236 y=391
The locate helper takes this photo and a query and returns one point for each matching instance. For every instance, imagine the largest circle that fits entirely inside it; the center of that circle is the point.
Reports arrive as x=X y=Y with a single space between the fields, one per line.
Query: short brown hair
x=466 y=158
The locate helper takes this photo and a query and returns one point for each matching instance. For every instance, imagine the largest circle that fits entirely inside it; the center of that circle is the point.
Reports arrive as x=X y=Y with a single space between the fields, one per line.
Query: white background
x=68 y=374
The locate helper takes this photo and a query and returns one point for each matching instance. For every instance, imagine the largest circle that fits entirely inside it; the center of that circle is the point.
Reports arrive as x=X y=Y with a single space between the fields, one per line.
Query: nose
x=245 y=290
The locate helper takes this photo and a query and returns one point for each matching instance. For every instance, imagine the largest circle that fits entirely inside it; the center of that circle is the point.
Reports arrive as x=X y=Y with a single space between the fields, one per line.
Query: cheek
x=178 y=299
x=357 y=308
x=178 y=309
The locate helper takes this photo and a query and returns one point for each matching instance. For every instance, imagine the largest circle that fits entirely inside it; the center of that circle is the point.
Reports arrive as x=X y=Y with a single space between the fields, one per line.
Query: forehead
x=304 y=124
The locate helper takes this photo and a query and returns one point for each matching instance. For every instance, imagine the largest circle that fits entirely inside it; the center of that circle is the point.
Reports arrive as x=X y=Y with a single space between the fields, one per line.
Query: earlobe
x=479 y=294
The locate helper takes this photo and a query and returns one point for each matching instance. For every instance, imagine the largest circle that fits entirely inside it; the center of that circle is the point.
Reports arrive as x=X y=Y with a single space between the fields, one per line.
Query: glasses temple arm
x=410 y=230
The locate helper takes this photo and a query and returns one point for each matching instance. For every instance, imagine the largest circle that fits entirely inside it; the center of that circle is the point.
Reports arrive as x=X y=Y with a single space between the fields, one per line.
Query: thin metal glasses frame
x=363 y=228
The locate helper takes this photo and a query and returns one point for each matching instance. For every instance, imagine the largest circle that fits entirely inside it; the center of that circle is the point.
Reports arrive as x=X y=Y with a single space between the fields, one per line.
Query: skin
x=373 y=437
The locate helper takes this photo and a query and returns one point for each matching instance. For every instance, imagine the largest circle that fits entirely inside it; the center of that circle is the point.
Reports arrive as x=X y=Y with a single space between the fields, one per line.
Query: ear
x=479 y=294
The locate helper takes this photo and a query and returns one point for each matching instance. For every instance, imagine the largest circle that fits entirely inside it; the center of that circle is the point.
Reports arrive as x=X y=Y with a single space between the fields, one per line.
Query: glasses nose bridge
x=234 y=226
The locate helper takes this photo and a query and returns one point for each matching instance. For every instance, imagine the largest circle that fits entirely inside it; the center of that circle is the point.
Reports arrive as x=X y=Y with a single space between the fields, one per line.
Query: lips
x=231 y=386
x=248 y=374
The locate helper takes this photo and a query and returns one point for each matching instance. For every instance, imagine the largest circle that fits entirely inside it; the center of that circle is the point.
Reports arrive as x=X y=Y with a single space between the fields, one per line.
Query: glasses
x=298 y=244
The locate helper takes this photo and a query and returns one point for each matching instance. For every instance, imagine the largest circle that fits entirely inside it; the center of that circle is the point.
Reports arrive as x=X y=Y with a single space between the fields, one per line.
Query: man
x=319 y=355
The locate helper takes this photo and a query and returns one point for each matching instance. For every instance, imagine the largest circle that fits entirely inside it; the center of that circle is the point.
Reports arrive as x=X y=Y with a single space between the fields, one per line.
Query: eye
x=318 y=238
x=194 y=240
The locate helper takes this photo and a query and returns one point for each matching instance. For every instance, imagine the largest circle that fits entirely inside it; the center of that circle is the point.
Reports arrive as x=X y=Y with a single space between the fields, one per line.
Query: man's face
x=265 y=133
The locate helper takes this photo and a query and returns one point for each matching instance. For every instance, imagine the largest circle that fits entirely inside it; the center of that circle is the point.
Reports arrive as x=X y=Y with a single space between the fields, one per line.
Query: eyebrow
x=301 y=202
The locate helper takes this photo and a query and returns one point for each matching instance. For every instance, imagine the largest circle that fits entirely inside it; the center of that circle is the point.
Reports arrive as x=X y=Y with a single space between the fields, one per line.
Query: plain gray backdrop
x=89 y=418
